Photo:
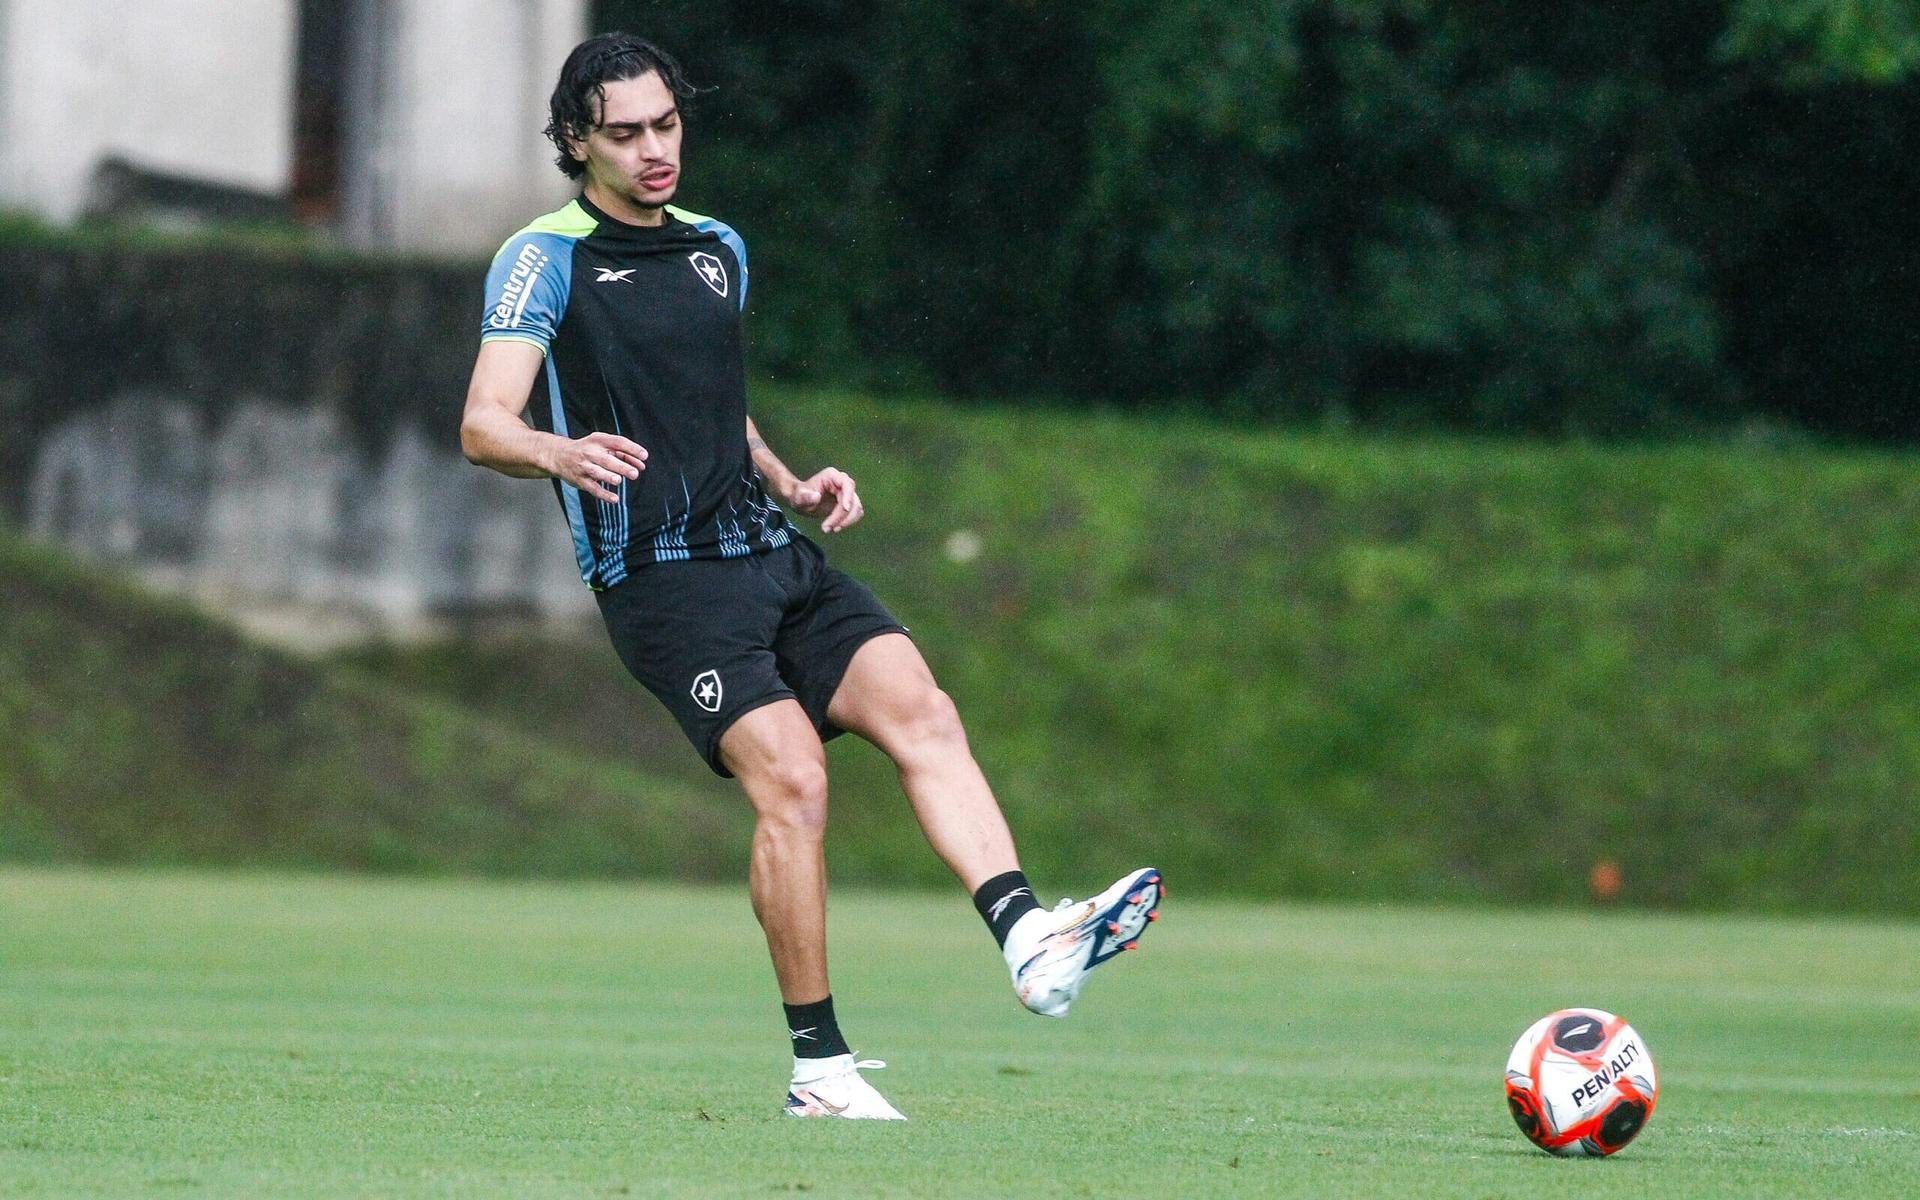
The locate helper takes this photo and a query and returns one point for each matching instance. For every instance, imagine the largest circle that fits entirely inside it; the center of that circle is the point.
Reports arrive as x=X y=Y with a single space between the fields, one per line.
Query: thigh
x=699 y=635
x=886 y=683
x=832 y=618
x=771 y=745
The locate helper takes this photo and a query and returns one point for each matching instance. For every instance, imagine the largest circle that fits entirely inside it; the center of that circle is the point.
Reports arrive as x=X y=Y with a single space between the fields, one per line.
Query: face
x=633 y=152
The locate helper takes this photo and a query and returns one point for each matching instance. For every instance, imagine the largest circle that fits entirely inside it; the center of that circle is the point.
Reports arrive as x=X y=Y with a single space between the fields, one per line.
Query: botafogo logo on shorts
x=706 y=690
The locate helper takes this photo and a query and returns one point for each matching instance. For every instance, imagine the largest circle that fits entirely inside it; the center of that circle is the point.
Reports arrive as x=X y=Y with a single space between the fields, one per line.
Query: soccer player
x=615 y=324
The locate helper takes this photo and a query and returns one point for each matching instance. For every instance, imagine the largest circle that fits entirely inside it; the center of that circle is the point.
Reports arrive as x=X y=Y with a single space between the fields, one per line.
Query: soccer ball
x=1580 y=1081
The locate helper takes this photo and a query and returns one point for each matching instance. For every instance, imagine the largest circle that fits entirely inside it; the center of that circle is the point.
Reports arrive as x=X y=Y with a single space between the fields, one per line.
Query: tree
x=1826 y=41
x=1596 y=218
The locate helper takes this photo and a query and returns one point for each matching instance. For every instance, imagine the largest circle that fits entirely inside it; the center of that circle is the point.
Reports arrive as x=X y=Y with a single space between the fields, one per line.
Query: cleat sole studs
x=1153 y=916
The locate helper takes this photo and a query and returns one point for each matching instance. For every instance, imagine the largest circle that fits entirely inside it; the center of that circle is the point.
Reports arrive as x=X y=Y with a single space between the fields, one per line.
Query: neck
x=620 y=208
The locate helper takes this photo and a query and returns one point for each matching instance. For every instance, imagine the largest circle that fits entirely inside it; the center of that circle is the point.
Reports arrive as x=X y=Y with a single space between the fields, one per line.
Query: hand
x=829 y=496
x=597 y=463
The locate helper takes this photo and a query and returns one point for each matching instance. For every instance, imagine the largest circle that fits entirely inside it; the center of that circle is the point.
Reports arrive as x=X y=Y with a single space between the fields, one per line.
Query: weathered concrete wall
x=195 y=87
x=447 y=102
x=276 y=436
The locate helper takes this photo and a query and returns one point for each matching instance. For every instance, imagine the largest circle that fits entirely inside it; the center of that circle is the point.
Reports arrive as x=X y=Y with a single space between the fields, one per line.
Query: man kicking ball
x=615 y=323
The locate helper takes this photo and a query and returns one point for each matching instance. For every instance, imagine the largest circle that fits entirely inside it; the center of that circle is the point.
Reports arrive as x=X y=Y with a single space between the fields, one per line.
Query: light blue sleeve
x=527 y=289
x=733 y=242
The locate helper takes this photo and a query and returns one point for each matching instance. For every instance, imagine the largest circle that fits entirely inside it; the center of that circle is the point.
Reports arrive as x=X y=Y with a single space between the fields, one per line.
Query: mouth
x=659 y=179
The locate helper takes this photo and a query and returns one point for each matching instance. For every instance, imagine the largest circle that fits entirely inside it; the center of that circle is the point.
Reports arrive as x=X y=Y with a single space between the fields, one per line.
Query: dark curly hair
x=575 y=107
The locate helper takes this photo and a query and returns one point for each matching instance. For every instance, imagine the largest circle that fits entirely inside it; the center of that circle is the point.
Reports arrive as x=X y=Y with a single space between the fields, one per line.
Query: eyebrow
x=672 y=112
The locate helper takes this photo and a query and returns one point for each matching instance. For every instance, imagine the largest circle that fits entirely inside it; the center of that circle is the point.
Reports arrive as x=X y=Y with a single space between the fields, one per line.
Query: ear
x=577 y=148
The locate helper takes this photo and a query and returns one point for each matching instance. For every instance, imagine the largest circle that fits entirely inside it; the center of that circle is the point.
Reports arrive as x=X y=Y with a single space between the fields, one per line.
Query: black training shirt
x=640 y=326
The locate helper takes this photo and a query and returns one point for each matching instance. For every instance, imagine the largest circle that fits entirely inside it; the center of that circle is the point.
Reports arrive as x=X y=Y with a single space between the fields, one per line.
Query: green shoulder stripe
x=571 y=221
x=691 y=218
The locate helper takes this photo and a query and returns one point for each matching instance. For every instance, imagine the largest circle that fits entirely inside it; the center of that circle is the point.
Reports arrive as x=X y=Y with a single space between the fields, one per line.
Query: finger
x=841 y=517
x=614 y=449
x=592 y=488
x=840 y=485
x=613 y=464
x=618 y=444
x=849 y=500
x=603 y=479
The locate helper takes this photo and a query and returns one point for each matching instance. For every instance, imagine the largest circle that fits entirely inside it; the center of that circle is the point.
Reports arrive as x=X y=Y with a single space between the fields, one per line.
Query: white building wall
x=445 y=101
x=198 y=87
x=457 y=158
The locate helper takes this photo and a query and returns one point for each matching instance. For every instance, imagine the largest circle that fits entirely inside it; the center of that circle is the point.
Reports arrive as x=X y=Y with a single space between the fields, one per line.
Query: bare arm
x=829 y=494
x=771 y=469
x=494 y=432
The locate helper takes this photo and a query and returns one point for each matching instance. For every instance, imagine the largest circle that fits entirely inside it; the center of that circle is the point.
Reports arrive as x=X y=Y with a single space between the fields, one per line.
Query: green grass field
x=177 y=1034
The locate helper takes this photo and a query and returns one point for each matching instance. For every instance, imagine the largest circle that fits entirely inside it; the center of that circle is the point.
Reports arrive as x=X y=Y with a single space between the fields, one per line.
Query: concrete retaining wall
x=275 y=436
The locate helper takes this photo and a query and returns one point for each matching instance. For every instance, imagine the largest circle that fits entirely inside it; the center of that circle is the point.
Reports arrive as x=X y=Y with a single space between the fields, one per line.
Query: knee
x=793 y=796
x=930 y=721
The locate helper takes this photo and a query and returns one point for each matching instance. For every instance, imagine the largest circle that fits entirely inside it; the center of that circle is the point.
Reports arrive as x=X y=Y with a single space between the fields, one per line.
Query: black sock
x=1003 y=900
x=814 y=1032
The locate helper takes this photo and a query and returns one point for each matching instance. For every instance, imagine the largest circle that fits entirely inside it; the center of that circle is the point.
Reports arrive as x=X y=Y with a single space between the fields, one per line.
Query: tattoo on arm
x=754 y=443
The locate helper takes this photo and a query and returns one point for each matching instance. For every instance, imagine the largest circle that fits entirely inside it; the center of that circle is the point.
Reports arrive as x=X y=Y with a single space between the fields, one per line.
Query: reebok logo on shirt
x=609 y=275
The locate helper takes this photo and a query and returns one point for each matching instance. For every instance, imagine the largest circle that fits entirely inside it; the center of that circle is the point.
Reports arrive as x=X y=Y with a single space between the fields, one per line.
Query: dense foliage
x=1574 y=218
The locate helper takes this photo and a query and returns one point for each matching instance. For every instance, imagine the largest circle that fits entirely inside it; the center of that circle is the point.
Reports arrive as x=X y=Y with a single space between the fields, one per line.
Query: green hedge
x=1433 y=669
x=1273 y=665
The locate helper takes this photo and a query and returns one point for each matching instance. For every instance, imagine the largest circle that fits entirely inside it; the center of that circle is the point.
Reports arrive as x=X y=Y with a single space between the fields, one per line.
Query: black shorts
x=716 y=638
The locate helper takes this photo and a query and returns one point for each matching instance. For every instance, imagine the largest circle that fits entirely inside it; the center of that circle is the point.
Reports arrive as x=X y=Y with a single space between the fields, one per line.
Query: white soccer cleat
x=832 y=1087
x=1052 y=953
